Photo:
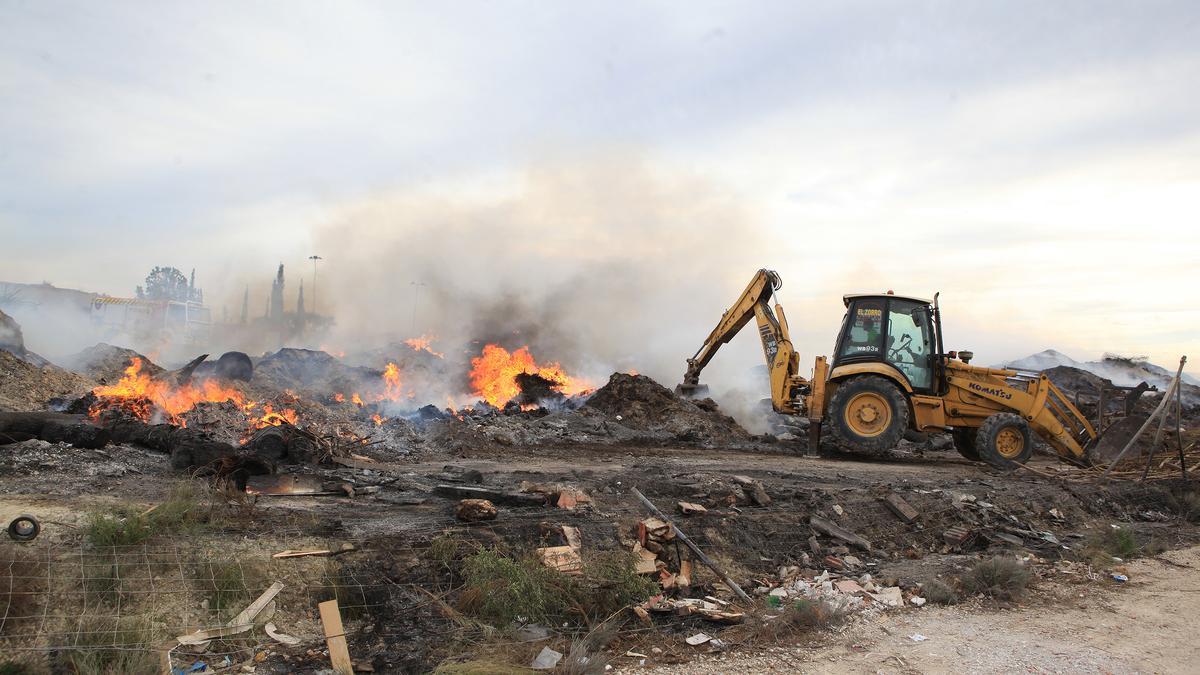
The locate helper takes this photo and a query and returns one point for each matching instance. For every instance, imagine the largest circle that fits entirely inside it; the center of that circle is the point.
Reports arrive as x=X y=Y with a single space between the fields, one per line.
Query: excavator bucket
x=691 y=390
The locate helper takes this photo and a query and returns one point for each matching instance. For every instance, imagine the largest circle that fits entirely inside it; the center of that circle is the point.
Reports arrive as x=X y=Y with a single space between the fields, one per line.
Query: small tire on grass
x=1004 y=440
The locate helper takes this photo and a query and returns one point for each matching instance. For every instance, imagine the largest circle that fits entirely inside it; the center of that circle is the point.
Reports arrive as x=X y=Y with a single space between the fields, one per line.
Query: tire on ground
x=1003 y=440
x=868 y=414
x=964 y=442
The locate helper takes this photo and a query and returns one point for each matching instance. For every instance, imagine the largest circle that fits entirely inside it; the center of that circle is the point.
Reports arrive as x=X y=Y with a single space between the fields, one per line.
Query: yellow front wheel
x=1003 y=440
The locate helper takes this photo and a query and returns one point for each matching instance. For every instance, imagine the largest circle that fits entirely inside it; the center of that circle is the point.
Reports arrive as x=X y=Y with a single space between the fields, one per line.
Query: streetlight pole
x=416 y=296
x=315 y=258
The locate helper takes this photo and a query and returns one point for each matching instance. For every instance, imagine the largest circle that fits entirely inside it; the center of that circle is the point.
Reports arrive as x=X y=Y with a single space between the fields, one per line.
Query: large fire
x=147 y=397
x=494 y=373
x=154 y=400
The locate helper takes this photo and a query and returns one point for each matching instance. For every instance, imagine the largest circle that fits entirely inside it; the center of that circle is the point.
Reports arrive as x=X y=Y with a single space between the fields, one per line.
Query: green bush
x=500 y=588
x=129 y=525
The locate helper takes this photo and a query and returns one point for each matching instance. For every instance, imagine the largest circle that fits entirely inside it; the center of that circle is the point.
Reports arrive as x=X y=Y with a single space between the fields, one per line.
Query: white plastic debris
x=917 y=600
x=917 y=637
x=698 y=639
x=1121 y=578
x=546 y=659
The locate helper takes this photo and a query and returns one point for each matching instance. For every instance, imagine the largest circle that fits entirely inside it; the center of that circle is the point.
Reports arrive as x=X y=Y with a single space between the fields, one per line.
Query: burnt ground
x=396 y=624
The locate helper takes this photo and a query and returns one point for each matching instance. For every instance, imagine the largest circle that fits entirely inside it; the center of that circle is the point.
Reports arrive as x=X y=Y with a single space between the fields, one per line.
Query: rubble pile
x=26 y=386
x=311 y=372
x=638 y=402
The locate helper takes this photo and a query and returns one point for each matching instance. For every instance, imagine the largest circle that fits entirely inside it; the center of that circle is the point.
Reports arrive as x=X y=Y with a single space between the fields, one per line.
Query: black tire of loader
x=846 y=437
x=964 y=442
x=985 y=440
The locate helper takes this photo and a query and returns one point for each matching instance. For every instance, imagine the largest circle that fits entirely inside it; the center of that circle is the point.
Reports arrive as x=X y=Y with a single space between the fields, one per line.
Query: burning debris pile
x=307 y=406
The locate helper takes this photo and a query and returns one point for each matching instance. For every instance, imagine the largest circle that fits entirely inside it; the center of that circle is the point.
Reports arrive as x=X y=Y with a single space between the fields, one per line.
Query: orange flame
x=271 y=418
x=339 y=397
x=422 y=344
x=391 y=382
x=357 y=400
x=377 y=419
x=494 y=374
x=144 y=396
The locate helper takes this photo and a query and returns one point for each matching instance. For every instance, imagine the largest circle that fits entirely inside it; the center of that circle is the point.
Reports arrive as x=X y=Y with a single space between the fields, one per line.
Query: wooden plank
x=901 y=508
x=691 y=545
x=838 y=532
x=335 y=637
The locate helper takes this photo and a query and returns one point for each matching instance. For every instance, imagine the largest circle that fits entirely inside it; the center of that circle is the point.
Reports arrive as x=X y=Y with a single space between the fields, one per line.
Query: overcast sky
x=1036 y=162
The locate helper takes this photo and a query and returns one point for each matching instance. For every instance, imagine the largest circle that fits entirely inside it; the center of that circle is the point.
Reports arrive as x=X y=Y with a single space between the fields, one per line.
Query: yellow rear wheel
x=868 y=414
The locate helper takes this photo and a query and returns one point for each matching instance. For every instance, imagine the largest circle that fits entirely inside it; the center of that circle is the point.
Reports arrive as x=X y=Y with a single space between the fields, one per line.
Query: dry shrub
x=108 y=645
x=799 y=617
x=999 y=577
x=939 y=592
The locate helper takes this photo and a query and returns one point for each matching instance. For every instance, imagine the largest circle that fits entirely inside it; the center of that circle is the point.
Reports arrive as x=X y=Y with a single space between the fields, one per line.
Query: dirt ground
x=1144 y=626
x=1135 y=627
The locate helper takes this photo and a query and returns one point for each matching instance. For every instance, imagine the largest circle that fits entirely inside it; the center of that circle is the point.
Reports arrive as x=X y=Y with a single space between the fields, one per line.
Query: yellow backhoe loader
x=889 y=374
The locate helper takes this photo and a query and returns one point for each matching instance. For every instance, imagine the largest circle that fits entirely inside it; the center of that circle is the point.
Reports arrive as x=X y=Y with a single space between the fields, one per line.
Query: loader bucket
x=1112 y=440
x=685 y=390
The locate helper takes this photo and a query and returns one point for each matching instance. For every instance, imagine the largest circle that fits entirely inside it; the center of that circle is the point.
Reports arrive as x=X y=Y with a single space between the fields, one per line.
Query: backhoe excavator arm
x=781 y=357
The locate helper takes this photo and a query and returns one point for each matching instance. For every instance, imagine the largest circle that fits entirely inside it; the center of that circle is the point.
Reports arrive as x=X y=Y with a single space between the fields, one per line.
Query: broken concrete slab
x=889 y=597
x=690 y=508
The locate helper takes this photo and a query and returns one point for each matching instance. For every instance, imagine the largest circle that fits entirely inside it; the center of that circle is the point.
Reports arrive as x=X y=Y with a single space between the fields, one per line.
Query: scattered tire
x=24 y=528
x=1003 y=440
x=868 y=414
x=964 y=442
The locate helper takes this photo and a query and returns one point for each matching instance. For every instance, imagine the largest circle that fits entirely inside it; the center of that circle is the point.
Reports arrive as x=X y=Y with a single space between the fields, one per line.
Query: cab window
x=864 y=329
x=910 y=341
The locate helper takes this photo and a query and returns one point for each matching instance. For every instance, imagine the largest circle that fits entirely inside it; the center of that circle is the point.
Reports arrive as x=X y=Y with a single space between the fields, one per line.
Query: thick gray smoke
x=608 y=265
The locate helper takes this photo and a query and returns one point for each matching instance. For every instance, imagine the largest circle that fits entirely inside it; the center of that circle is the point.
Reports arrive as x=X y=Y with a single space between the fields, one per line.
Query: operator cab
x=893 y=329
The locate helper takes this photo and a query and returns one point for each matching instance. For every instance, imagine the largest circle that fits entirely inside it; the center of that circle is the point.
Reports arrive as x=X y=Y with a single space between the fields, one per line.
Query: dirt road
x=1144 y=626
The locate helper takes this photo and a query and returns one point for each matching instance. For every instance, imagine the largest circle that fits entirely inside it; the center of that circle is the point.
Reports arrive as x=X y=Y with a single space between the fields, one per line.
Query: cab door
x=909 y=345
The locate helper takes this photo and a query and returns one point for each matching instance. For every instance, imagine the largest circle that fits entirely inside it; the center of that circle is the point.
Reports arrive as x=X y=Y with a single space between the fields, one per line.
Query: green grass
x=109 y=645
x=229 y=585
x=500 y=588
x=1000 y=578
x=15 y=668
x=130 y=524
